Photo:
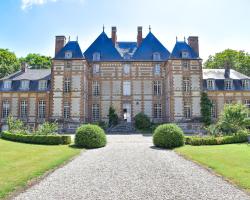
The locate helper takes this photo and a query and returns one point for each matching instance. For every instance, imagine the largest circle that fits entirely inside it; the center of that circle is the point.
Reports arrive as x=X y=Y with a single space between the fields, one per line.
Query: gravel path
x=130 y=168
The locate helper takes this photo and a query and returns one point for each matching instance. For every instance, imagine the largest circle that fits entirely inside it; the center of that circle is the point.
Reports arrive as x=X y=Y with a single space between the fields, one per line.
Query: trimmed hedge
x=142 y=121
x=211 y=140
x=168 y=136
x=37 y=139
x=90 y=136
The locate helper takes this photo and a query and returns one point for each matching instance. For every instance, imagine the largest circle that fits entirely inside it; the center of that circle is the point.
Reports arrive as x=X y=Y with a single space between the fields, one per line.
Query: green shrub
x=142 y=121
x=168 y=136
x=90 y=136
x=113 y=117
x=36 y=139
x=47 y=129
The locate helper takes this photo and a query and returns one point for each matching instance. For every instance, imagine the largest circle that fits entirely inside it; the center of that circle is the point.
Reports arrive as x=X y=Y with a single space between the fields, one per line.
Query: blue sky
x=29 y=26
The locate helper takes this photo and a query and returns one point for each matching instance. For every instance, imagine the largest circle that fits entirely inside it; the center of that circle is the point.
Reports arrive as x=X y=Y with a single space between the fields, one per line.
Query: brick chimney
x=193 y=41
x=60 y=43
x=139 y=35
x=24 y=66
x=113 y=34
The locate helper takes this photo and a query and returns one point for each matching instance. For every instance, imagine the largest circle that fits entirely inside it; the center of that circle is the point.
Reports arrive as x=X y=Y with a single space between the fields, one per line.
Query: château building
x=133 y=77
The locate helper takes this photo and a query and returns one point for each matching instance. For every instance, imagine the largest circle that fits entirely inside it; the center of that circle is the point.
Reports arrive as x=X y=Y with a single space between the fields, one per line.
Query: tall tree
x=9 y=63
x=206 y=106
x=238 y=60
x=37 y=61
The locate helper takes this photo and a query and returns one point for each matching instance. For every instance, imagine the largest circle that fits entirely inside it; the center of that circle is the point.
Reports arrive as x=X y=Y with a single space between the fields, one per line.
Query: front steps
x=122 y=128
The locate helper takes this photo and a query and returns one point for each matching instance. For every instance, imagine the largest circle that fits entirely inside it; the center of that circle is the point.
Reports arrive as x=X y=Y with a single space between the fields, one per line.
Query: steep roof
x=181 y=46
x=220 y=74
x=126 y=48
x=150 y=45
x=72 y=46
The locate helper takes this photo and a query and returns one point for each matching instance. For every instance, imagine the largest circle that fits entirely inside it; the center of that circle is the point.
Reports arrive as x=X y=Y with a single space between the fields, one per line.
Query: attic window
x=210 y=84
x=184 y=54
x=245 y=84
x=156 y=56
x=96 y=56
x=68 y=54
x=7 y=84
x=24 y=84
x=228 y=85
x=42 y=84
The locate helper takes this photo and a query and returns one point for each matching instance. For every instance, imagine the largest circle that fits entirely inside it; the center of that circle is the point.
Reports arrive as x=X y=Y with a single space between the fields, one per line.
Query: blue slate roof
x=181 y=46
x=126 y=49
x=148 y=47
x=72 y=46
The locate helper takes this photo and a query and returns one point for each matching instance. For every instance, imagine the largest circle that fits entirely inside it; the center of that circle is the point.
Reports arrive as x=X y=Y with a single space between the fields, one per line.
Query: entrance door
x=127 y=112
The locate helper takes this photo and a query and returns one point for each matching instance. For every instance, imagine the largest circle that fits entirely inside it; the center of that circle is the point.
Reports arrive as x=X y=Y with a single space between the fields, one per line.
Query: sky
x=30 y=26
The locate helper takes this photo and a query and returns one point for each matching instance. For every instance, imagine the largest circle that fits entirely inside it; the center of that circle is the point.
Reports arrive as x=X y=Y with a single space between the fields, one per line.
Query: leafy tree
x=47 y=129
x=15 y=125
x=37 y=61
x=113 y=117
x=238 y=60
x=206 y=106
x=9 y=63
x=142 y=121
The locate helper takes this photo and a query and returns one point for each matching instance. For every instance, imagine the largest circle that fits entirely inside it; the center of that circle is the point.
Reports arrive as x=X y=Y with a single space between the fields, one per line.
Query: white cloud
x=26 y=4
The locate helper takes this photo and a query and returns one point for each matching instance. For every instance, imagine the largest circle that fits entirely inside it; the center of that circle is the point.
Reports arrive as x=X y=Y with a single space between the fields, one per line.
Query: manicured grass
x=231 y=161
x=21 y=162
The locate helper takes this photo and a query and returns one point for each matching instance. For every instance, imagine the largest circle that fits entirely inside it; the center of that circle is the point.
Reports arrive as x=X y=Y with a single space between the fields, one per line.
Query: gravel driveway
x=130 y=168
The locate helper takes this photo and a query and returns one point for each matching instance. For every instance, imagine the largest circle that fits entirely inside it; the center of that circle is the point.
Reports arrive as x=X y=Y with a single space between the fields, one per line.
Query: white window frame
x=245 y=84
x=213 y=109
x=96 y=68
x=185 y=64
x=43 y=84
x=157 y=88
x=6 y=108
x=67 y=85
x=24 y=84
x=184 y=54
x=41 y=109
x=95 y=112
x=210 y=84
x=96 y=56
x=126 y=88
x=247 y=104
x=68 y=54
x=66 y=110
x=156 y=56
x=7 y=84
x=157 y=70
x=95 y=88
x=157 y=110
x=126 y=69
x=187 y=110
x=23 y=108
x=228 y=84
x=186 y=84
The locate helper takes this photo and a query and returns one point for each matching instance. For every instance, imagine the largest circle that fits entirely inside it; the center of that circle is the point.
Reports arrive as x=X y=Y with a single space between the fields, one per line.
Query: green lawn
x=21 y=162
x=231 y=161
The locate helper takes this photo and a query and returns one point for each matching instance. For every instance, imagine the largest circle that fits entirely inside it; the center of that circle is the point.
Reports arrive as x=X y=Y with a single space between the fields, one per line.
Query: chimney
x=139 y=35
x=193 y=41
x=113 y=34
x=24 y=66
x=227 y=70
x=60 y=43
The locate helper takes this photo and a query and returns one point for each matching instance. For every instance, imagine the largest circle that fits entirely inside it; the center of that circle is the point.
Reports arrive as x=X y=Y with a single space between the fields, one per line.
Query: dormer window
x=96 y=56
x=245 y=84
x=156 y=56
x=24 y=84
x=7 y=84
x=42 y=84
x=228 y=84
x=68 y=54
x=210 y=84
x=184 y=54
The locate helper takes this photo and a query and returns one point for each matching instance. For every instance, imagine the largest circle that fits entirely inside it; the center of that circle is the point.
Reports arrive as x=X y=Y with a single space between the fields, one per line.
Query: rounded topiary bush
x=90 y=136
x=168 y=136
x=142 y=121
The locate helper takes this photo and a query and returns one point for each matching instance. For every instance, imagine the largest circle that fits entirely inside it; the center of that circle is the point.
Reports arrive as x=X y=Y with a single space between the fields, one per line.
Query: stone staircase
x=122 y=128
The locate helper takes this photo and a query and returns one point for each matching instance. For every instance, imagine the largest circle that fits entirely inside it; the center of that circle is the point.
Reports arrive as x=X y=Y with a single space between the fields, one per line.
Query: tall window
x=245 y=84
x=187 y=110
x=213 y=109
x=68 y=65
x=96 y=56
x=185 y=64
x=228 y=101
x=6 y=108
x=66 y=110
x=96 y=69
x=96 y=88
x=157 y=87
x=156 y=56
x=41 y=109
x=96 y=112
x=210 y=84
x=67 y=85
x=228 y=85
x=23 y=108
x=25 y=84
x=157 y=69
x=247 y=104
x=186 y=84
x=126 y=69
x=7 y=84
x=42 y=84
x=126 y=88
x=157 y=110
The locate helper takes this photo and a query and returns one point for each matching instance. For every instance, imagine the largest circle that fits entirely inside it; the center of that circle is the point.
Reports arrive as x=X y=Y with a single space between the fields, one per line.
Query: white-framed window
x=126 y=88
x=157 y=110
x=24 y=84
x=42 y=84
x=210 y=84
x=96 y=88
x=187 y=110
x=157 y=88
x=96 y=112
x=228 y=84
x=157 y=69
x=68 y=65
x=66 y=110
x=156 y=56
x=68 y=54
x=6 y=108
x=186 y=84
x=126 y=69
x=247 y=104
x=96 y=69
x=67 y=85
x=23 y=108
x=185 y=64
x=41 y=109
x=96 y=56
x=213 y=109
x=184 y=54
x=228 y=101
x=245 y=84
x=7 y=84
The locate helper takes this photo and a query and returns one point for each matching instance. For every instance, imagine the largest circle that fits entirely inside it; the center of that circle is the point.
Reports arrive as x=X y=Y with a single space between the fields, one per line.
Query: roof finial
x=176 y=39
x=77 y=38
x=149 y=28
x=69 y=38
x=103 y=27
x=184 y=39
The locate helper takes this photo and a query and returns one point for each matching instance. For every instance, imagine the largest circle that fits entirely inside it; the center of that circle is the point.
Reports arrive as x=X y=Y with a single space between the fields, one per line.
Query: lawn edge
x=213 y=172
x=36 y=180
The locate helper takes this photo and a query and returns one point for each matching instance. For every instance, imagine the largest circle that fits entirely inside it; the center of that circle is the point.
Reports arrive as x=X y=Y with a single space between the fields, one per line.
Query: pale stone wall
x=14 y=106
x=195 y=82
x=32 y=107
x=177 y=82
x=75 y=107
x=57 y=108
x=136 y=108
x=116 y=87
x=148 y=87
x=137 y=87
x=105 y=88
x=76 y=82
x=178 y=107
x=58 y=84
x=196 y=106
x=148 y=108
